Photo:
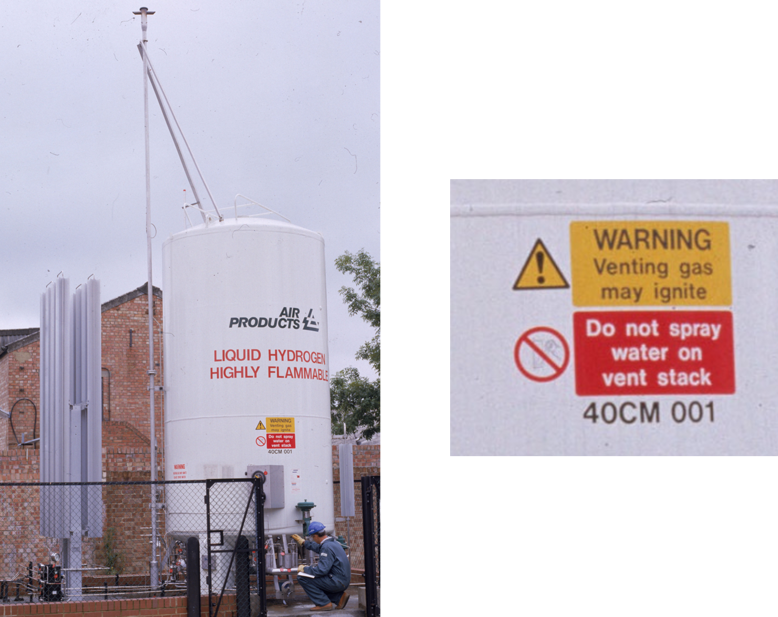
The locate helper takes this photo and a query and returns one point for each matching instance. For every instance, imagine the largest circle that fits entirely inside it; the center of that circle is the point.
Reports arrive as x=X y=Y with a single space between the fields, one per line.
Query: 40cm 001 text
x=649 y=413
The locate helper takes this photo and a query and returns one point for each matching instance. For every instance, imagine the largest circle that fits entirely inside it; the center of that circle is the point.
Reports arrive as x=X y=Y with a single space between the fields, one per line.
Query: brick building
x=125 y=359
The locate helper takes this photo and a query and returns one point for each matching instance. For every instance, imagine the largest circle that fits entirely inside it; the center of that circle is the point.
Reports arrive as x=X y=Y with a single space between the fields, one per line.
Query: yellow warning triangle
x=540 y=271
x=260 y=427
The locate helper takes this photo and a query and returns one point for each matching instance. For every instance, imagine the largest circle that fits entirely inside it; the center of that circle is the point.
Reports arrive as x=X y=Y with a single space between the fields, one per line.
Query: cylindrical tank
x=247 y=367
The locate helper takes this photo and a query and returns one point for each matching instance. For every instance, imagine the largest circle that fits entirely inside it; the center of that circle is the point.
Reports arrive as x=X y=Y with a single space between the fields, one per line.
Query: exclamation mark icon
x=540 y=271
x=539 y=257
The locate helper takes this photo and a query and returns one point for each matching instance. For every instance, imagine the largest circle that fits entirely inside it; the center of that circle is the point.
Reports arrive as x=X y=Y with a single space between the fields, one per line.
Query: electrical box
x=274 y=484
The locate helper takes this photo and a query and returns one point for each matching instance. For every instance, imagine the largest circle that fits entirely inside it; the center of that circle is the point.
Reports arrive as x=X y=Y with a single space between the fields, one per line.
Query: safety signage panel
x=650 y=263
x=280 y=440
x=280 y=437
x=280 y=425
x=607 y=329
x=653 y=352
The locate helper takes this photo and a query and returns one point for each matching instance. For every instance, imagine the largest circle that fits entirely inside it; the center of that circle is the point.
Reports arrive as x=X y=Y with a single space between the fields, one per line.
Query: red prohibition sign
x=260 y=441
x=547 y=363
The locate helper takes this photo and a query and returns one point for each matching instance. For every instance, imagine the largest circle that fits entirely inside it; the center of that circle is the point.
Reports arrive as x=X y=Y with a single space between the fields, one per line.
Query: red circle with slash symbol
x=541 y=354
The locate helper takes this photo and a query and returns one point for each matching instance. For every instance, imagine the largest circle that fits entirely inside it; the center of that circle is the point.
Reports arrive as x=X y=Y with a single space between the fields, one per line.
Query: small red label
x=280 y=440
x=653 y=352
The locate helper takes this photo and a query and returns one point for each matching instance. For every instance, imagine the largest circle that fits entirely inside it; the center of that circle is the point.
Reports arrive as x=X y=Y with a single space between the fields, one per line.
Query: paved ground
x=299 y=604
x=276 y=608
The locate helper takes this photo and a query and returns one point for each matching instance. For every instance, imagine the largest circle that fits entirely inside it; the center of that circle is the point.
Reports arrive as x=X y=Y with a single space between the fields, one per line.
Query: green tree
x=354 y=399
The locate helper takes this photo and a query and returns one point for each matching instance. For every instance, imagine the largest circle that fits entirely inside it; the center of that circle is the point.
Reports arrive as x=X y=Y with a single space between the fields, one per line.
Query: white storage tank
x=247 y=366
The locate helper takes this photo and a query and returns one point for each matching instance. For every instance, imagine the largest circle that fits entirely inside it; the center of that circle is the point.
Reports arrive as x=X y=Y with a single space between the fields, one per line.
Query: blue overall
x=333 y=573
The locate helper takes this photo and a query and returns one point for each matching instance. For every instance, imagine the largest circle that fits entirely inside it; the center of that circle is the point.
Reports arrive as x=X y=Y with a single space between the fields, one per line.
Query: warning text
x=654 y=352
x=650 y=263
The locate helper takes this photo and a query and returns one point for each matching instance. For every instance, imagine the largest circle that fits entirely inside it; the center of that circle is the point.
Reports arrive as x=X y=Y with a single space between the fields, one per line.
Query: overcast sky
x=278 y=100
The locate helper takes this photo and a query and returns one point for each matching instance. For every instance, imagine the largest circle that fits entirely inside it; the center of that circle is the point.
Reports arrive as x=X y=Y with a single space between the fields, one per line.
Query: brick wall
x=19 y=465
x=155 y=607
x=4 y=362
x=367 y=462
x=125 y=349
x=20 y=394
x=122 y=434
x=126 y=511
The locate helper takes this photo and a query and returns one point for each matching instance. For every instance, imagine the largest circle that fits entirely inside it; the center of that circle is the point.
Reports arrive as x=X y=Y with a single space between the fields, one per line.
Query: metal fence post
x=193 y=577
x=259 y=503
x=242 y=577
x=369 y=529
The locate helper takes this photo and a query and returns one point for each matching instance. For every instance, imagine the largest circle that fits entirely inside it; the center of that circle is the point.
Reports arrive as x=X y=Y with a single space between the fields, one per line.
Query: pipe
x=153 y=566
x=155 y=77
x=173 y=136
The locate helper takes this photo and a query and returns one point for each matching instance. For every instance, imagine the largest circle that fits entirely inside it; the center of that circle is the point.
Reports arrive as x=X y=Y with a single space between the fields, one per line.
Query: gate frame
x=257 y=495
x=372 y=556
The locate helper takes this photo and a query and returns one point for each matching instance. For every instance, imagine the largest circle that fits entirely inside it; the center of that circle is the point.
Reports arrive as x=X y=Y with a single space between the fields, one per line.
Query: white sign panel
x=613 y=330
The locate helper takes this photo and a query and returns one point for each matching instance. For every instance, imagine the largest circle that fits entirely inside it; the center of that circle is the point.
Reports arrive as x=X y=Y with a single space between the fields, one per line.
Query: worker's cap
x=315 y=527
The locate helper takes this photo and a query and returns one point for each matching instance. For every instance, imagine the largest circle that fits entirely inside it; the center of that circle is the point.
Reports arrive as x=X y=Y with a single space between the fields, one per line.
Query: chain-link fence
x=74 y=542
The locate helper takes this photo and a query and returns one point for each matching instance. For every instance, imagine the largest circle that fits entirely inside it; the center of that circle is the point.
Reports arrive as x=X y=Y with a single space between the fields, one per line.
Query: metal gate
x=233 y=553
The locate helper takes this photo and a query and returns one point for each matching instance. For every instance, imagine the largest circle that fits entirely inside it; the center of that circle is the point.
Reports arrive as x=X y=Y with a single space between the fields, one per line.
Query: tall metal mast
x=154 y=568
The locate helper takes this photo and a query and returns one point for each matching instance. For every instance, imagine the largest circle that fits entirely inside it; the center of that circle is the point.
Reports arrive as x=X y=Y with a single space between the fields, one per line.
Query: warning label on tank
x=650 y=263
x=654 y=352
x=280 y=425
x=279 y=440
x=280 y=435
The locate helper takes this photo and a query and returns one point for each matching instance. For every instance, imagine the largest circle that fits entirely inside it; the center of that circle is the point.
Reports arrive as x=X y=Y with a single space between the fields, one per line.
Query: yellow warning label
x=260 y=426
x=540 y=271
x=650 y=263
x=280 y=425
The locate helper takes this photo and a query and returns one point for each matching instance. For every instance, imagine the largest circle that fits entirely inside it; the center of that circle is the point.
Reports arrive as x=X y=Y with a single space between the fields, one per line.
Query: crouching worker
x=331 y=576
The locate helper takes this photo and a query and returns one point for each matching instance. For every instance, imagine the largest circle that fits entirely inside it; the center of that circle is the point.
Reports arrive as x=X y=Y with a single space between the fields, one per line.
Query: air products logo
x=289 y=318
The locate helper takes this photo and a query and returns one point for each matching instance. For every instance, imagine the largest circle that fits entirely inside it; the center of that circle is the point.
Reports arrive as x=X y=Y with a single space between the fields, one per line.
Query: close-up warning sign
x=586 y=331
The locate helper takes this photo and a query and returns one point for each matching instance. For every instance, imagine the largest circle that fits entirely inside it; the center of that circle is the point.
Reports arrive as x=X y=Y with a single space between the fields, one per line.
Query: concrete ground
x=299 y=604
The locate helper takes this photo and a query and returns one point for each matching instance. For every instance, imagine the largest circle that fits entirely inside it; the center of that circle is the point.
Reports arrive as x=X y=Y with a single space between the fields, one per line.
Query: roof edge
x=31 y=335
x=131 y=295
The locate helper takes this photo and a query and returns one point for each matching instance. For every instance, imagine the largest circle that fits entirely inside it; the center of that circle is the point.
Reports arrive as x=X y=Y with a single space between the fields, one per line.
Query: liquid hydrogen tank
x=247 y=367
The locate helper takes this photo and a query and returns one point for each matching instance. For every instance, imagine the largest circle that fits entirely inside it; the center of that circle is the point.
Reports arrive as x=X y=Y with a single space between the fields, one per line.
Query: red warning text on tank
x=653 y=352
